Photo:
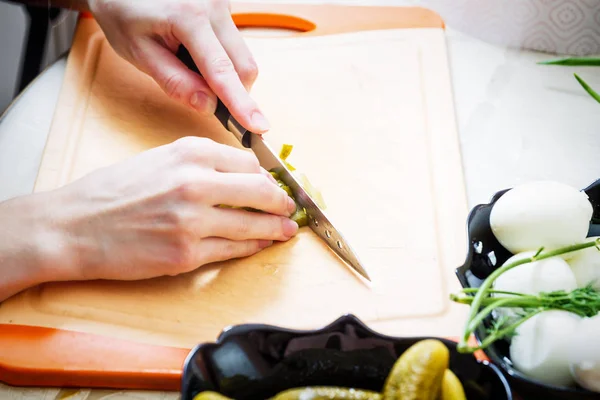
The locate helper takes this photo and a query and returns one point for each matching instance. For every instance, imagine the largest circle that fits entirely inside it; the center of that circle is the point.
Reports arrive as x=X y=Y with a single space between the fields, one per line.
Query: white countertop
x=520 y=121
x=24 y=127
x=517 y=121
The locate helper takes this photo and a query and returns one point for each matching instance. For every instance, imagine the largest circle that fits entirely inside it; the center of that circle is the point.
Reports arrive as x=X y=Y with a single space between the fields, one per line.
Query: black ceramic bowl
x=484 y=255
x=258 y=361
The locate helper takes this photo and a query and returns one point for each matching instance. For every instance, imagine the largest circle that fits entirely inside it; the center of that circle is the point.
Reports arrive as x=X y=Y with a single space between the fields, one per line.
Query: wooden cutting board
x=365 y=99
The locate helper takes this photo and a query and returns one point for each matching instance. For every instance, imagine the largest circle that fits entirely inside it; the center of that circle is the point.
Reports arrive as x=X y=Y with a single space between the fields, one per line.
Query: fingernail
x=264 y=243
x=260 y=122
x=291 y=206
x=203 y=103
x=290 y=228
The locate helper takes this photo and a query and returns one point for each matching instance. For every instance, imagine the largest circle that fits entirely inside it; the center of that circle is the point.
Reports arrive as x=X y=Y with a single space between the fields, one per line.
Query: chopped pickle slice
x=312 y=191
x=300 y=216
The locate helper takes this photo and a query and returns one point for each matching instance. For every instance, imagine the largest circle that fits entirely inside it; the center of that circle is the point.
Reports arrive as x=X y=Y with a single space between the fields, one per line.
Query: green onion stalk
x=578 y=61
x=584 y=301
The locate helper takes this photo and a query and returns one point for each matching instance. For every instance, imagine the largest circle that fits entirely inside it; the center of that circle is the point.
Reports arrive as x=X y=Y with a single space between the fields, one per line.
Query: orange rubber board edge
x=37 y=356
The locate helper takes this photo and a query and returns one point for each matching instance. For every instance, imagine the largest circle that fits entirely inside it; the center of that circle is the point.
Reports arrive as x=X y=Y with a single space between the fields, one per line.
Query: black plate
x=484 y=254
x=258 y=361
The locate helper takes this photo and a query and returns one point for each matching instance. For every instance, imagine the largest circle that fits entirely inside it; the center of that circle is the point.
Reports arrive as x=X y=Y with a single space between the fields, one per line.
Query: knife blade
x=319 y=223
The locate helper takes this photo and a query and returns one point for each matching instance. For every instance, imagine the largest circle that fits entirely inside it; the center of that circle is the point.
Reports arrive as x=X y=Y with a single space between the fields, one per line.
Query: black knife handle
x=222 y=113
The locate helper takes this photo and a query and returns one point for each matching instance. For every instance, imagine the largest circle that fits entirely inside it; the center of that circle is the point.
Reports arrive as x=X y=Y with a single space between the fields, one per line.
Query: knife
x=268 y=159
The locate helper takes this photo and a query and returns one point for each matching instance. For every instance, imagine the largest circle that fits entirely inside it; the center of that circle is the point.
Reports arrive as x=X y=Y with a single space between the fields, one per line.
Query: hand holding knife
x=268 y=159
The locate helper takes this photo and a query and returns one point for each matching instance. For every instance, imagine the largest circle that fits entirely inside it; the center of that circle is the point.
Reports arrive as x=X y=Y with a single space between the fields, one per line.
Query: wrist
x=33 y=249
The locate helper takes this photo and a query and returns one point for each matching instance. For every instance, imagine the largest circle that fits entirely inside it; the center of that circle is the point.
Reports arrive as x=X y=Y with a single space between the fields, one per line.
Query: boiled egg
x=540 y=349
x=546 y=275
x=543 y=213
x=586 y=266
x=585 y=353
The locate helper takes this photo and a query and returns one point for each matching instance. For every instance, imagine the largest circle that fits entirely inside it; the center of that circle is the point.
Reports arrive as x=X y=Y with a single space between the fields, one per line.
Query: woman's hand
x=152 y=215
x=148 y=33
x=156 y=214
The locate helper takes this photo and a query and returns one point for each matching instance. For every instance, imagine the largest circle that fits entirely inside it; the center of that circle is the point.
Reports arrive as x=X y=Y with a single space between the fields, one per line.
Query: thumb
x=174 y=78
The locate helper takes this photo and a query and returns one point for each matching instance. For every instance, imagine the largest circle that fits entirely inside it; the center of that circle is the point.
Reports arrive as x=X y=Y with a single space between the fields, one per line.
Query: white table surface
x=517 y=121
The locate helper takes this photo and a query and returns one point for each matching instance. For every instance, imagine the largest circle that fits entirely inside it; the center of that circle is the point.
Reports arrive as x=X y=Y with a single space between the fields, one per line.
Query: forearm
x=29 y=246
x=77 y=5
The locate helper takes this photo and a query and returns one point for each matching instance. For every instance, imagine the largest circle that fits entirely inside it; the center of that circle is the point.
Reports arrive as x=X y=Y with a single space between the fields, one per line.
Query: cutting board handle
x=270 y=20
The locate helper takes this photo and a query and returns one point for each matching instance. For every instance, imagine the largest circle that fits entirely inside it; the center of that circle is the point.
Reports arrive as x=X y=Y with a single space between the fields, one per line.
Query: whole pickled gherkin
x=418 y=373
x=452 y=389
x=208 y=395
x=326 y=393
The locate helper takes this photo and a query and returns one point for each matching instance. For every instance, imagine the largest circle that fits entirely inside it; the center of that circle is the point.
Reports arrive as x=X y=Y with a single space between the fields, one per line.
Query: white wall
x=13 y=28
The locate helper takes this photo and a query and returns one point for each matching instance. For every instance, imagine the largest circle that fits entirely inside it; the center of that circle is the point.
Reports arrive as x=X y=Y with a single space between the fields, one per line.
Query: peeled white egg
x=540 y=348
x=586 y=266
x=544 y=213
x=545 y=275
x=585 y=353
x=548 y=274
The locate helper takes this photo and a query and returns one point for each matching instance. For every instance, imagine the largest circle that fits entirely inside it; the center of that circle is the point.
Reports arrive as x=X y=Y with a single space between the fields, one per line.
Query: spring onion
x=581 y=301
x=573 y=61
x=588 y=89
x=578 y=61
